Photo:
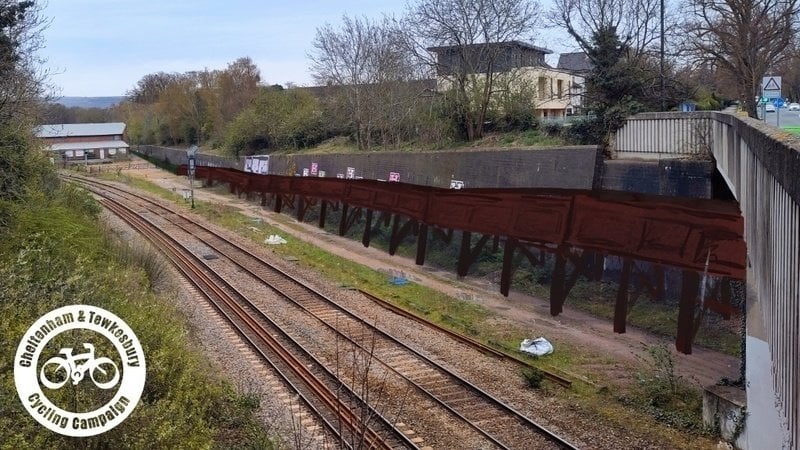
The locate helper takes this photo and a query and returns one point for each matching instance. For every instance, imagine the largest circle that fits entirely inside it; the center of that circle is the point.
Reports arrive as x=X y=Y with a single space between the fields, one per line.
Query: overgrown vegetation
x=56 y=254
x=533 y=377
x=665 y=395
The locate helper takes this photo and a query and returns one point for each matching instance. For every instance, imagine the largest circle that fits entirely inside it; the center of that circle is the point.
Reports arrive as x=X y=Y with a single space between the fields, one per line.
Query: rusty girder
x=578 y=226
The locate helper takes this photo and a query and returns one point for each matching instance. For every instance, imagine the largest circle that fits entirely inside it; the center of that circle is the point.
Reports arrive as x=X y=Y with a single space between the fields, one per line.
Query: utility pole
x=661 y=69
x=191 y=154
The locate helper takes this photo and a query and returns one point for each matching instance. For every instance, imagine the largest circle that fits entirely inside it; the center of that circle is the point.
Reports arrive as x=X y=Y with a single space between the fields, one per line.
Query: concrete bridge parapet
x=761 y=166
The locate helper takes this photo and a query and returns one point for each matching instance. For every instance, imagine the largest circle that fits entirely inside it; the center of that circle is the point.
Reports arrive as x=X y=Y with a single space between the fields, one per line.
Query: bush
x=553 y=129
x=665 y=395
x=533 y=377
x=584 y=132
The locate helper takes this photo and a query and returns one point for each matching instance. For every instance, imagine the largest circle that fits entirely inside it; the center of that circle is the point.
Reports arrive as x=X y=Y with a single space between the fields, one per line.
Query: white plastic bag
x=537 y=347
x=274 y=239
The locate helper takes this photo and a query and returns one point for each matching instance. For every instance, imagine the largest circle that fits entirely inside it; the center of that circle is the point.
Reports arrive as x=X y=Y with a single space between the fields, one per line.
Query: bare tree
x=364 y=60
x=462 y=32
x=151 y=86
x=637 y=22
x=745 y=38
x=22 y=81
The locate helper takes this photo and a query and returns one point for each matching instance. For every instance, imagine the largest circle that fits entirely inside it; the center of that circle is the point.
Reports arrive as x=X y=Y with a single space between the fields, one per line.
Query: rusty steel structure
x=577 y=226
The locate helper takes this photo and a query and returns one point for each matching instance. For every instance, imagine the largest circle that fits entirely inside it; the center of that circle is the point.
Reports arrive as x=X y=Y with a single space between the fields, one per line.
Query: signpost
x=771 y=87
x=778 y=102
x=191 y=153
x=770 y=90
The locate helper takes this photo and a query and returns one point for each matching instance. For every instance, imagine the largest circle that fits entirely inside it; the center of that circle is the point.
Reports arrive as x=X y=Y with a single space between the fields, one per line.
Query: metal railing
x=178 y=156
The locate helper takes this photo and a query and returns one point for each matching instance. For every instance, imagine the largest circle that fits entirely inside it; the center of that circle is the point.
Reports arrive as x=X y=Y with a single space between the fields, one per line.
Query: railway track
x=341 y=411
x=497 y=422
x=481 y=347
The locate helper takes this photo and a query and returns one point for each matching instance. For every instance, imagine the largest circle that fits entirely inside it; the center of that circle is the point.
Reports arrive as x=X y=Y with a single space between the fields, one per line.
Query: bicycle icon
x=76 y=366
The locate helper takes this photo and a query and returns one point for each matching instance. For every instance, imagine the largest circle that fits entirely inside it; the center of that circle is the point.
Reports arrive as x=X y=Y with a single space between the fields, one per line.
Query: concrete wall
x=568 y=167
x=576 y=167
x=671 y=177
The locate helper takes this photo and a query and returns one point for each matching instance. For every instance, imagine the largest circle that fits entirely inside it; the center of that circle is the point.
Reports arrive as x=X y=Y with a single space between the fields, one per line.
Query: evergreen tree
x=615 y=85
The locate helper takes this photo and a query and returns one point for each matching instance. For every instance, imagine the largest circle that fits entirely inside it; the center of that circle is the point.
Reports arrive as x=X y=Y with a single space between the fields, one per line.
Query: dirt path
x=615 y=353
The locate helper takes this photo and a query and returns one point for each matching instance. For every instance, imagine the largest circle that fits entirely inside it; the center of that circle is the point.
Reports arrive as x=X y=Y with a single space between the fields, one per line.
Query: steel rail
x=540 y=429
x=322 y=392
x=425 y=359
x=480 y=346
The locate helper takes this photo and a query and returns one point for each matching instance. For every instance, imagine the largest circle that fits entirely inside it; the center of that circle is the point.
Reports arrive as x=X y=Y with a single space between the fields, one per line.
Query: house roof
x=520 y=44
x=88 y=145
x=80 y=129
x=574 y=62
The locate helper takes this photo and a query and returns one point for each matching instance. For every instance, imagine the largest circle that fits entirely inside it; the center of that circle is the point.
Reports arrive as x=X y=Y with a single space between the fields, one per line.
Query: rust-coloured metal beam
x=444 y=236
x=621 y=306
x=400 y=233
x=510 y=263
x=558 y=292
x=508 y=268
x=343 y=219
x=695 y=235
x=422 y=244
x=579 y=265
x=323 y=211
x=686 y=307
x=671 y=231
x=596 y=273
x=367 y=229
x=525 y=251
x=468 y=255
x=349 y=217
x=463 y=254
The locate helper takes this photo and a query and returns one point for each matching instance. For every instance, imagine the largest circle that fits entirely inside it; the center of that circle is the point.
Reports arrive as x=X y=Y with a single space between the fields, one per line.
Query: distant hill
x=89 y=102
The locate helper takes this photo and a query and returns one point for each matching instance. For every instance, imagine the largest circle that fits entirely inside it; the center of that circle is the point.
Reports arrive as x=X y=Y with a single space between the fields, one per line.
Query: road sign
x=778 y=102
x=771 y=86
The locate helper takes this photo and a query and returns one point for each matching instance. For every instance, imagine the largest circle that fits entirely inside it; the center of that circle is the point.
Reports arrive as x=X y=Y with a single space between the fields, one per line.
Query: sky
x=97 y=48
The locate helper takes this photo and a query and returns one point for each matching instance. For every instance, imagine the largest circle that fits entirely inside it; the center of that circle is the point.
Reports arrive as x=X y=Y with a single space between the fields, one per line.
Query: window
x=542 y=88
x=560 y=88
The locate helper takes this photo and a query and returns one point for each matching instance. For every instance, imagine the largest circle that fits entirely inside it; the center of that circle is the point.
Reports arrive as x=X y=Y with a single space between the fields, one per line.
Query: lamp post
x=191 y=154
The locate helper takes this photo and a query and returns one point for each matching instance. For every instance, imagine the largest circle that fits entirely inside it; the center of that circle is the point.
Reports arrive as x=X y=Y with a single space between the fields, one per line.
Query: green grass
x=660 y=318
x=56 y=253
x=529 y=138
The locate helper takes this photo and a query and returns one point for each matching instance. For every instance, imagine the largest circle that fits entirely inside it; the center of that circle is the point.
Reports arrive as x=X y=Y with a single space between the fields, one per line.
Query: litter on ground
x=398 y=278
x=538 y=347
x=274 y=239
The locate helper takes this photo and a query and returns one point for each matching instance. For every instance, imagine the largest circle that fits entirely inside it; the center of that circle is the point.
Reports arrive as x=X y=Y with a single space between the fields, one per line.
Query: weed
x=145 y=257
x=665 y=395
x=533 y=377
